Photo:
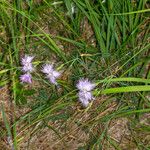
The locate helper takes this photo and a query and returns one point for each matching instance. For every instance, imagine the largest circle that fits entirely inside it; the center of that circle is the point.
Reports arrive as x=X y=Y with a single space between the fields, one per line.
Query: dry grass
x=73 y=138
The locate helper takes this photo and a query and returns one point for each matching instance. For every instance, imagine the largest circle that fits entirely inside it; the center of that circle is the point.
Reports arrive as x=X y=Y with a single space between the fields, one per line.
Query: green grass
x=107 y=42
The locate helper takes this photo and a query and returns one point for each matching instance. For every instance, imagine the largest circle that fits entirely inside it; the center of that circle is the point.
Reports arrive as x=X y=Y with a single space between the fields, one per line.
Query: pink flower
x=27 y=63
x=26 y=78
x=27 y=60
x=85 y=85
x=27 y=68
x=51 y=74
x=85 y=94
x=83 y=100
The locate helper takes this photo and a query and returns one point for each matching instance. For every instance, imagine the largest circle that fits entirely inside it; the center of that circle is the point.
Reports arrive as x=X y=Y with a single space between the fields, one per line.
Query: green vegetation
x=107 y=42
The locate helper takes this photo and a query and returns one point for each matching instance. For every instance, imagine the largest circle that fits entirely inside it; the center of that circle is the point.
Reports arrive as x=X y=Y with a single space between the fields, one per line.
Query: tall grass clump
x=77 y=74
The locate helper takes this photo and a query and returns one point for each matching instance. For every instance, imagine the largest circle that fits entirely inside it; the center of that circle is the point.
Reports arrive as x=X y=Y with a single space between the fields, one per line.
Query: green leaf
x=126 y=89
x=131 y=79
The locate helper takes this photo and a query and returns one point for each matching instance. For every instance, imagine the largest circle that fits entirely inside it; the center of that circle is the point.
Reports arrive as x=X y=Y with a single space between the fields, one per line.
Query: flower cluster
x=84 y=86
x=51 y=74
x=85 y=95
x=27 y=68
